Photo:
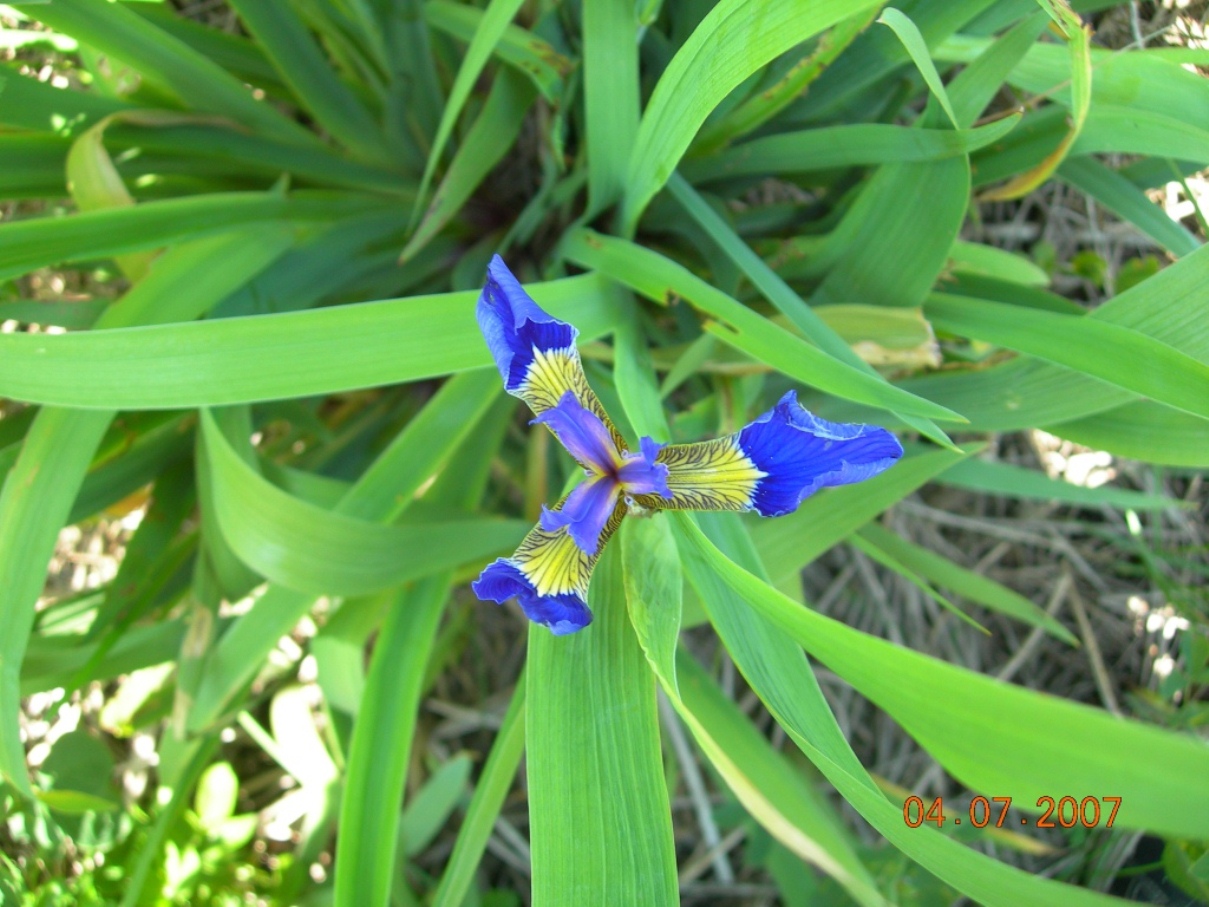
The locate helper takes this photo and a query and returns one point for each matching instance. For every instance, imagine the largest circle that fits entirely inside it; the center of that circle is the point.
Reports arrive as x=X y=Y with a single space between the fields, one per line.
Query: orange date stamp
x=1064 y=812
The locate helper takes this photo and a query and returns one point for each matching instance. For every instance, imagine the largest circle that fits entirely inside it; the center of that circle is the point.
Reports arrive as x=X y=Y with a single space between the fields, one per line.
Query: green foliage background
x=726 y=199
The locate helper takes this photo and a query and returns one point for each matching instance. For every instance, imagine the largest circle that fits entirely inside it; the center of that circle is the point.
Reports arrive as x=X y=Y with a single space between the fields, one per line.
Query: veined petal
x=801 y=453
x=503 y=580
x=641 y=474
x=548 y=575
x=585 y=513
x=582 y=433
x=534 y=351
x=774 y=463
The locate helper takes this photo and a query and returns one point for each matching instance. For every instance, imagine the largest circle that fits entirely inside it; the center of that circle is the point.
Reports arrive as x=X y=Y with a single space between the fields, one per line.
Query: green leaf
x=1117 y=355
x=285 y=40
x=319 y=551
x=381 y=746
x=857 y=144
x=993 y=477
x=789 y=543
x=490 y=29
x=599 y=818
x=494 y=783
x=658 y=278
x=913 y=41
x=734 y=40
x=994 y=736
x=1142 y=431
x=223 y=361
x=610 y=60
x=121 y=33
x=493 y=132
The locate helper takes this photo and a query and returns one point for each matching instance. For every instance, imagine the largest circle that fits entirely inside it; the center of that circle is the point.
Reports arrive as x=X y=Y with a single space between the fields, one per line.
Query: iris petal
x=801 y=453
x=581 y=432
x=548 y=575
x=640 y=474
x=534 y=351
x=563 y=613
x=585 y=512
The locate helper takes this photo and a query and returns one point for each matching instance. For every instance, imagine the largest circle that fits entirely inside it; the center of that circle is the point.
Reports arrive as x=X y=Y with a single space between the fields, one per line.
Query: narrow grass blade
x=192 y=77
x=490 y=29
x=1120 y=196
x=227 y=361
x=734 y=40
x=493 y=132
x=493 y=786
x=600 y=821
x=286 y=41
x=993 y=477
x=522 y=50
x=789 y=543
x=913 y=41
x=381 y=746
x=966 y=583
x=1078 y=37
x=1125 y=358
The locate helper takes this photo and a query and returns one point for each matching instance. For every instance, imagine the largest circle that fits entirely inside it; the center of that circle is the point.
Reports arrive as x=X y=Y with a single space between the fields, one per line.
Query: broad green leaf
x=763 y=782
x=493 y=785
x=381 y=746
x=611 y=95
x=33 y=243
x=493 y=132
x=658 y=278
x=1117 y=355
x=982 y=79
x=319 y=551
x=226 y=361
x=966 y=583
x=995 y=263
x=599 y=819
x=1143 y=431
x=1169 y=307
x=734 y=40
x=853 y=145
x=994 y=736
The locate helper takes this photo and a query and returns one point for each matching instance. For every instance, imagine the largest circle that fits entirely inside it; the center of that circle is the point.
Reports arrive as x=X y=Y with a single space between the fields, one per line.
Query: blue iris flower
x=770 y=466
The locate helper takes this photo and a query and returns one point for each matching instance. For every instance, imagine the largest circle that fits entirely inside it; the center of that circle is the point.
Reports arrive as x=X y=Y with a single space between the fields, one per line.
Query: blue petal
x=582 y=432
x=640 y=474
x=514 y=325
x=585 y=512
x=802 y=453
x=563 y=614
